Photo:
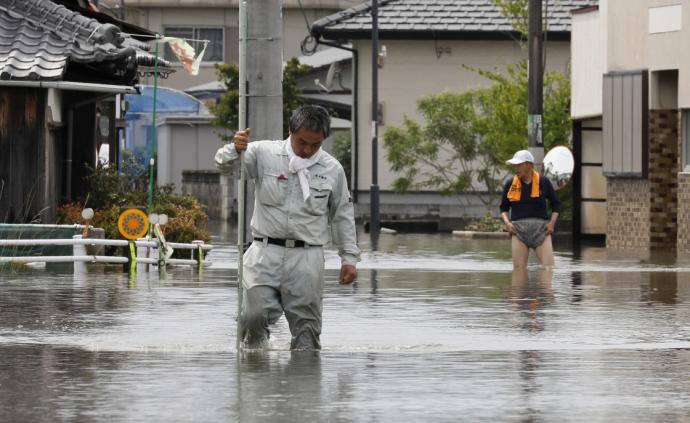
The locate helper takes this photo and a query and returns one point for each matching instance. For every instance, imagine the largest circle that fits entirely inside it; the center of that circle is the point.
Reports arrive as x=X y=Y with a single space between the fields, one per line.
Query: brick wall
x=628 y=213
x=663 y=177
x=683 y=235
x=643 y=213
x=683 y=241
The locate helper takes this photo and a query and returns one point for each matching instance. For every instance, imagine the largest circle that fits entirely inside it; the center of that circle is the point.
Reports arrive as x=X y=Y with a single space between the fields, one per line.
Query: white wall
x=412 y=70
x=588 y=55
x=631 y=46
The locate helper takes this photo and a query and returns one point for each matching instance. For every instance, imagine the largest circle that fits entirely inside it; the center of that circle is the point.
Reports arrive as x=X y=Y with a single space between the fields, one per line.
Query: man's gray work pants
x=279 y=279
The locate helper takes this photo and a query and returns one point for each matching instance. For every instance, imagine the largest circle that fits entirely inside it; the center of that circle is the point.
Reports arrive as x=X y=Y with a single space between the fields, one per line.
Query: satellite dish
x=558 y=166
x=332 y=71
x=318 y=83
x=331 y=74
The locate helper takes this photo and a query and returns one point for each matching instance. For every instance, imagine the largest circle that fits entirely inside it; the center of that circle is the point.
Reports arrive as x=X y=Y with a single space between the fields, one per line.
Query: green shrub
x=109 y=193
x=487 y=223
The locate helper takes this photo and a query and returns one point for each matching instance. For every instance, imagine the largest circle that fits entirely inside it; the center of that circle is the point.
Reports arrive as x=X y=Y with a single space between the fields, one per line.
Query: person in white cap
x=524 y=211
x=301 y=202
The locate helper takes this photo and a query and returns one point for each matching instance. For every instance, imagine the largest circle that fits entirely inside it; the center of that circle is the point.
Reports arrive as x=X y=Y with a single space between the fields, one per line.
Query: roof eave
x=342 y=35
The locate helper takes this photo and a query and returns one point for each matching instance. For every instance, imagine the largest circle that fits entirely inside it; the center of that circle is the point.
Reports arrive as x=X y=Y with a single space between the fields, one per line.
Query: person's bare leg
x=518 y=283
x=545 y=252
x=520 y=252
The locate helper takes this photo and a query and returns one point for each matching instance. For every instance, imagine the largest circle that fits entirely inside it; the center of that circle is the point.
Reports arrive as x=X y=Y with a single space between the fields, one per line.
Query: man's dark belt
x=287 y=243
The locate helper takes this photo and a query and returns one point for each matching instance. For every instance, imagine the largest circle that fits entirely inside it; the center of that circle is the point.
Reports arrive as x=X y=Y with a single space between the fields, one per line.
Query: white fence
x=140 y=255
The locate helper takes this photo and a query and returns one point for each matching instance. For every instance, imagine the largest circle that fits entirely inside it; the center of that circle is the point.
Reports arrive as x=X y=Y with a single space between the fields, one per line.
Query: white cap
x=521 y=156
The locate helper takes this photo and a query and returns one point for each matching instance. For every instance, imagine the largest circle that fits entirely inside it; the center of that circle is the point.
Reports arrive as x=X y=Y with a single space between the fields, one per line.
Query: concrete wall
x=631 y=46
x=185 y=146
x=446 y=212
x=205 y=186
x=588 y=49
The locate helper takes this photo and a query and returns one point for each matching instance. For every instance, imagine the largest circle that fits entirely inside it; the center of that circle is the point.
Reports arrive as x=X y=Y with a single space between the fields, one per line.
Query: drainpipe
x=68 y=156
x=355 y=119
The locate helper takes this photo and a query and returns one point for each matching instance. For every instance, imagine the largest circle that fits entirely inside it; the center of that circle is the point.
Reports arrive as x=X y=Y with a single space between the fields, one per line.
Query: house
x=186 y=139
x=217 y=21
x=63 y=69
x=329 y=81
x=326 y=83
x=632 y=124
x=427 y=42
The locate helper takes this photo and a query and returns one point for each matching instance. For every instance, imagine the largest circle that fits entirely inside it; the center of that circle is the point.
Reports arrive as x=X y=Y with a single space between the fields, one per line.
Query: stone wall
x=628 y=213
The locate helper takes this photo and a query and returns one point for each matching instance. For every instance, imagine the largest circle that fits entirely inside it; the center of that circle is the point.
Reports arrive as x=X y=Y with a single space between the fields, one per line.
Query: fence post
x=154 y=252
x=142 y=252
x=198 y=253
x=78 y=250
x=130 y=252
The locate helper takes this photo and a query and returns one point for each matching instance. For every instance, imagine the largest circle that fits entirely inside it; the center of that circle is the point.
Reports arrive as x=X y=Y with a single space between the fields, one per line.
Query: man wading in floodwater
x=301 y=193
x=524 y=212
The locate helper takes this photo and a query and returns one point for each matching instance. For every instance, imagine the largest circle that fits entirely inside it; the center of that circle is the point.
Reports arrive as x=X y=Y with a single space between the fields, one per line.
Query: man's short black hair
x=312 y=118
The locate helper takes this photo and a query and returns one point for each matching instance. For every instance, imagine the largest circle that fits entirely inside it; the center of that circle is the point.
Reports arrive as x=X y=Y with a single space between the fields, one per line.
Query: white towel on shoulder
x=301 y=167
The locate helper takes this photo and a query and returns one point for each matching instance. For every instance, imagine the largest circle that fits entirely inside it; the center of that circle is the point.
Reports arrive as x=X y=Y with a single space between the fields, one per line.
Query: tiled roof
x=438 y=16
x=38 y=40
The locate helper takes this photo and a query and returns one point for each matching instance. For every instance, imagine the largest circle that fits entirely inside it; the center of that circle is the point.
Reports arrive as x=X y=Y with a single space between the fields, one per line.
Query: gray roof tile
x=439 y=15
x=38 y=40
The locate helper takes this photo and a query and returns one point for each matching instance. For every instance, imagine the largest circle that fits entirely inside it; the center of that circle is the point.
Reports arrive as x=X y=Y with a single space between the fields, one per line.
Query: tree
x=226 y=110
x=342 y=150
x=468 y=135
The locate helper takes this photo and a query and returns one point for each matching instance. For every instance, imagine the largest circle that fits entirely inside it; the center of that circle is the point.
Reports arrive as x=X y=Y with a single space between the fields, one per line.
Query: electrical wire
x=306 y=21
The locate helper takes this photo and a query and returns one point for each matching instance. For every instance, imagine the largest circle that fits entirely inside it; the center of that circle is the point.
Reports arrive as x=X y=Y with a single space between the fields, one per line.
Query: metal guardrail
x=140 y=253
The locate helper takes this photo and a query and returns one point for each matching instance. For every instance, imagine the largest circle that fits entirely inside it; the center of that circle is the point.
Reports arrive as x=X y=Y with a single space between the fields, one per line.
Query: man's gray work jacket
x=279 y=208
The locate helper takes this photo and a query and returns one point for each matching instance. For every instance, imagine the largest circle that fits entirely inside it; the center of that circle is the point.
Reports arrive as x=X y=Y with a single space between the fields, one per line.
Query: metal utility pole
x=535 y=108
x=374 y=224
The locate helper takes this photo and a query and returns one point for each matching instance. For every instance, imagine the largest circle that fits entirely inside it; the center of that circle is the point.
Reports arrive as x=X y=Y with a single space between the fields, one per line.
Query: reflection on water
x=530 y=295
x=435 y=328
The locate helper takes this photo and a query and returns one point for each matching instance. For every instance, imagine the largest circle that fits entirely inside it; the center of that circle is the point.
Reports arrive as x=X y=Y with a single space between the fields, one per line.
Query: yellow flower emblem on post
x=133 y=224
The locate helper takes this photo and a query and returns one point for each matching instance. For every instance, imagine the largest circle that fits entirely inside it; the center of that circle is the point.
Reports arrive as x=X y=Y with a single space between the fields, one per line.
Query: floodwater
x=436 y=329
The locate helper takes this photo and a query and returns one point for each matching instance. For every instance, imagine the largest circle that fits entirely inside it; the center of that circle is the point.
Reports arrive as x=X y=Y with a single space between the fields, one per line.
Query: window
x=214 y=51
